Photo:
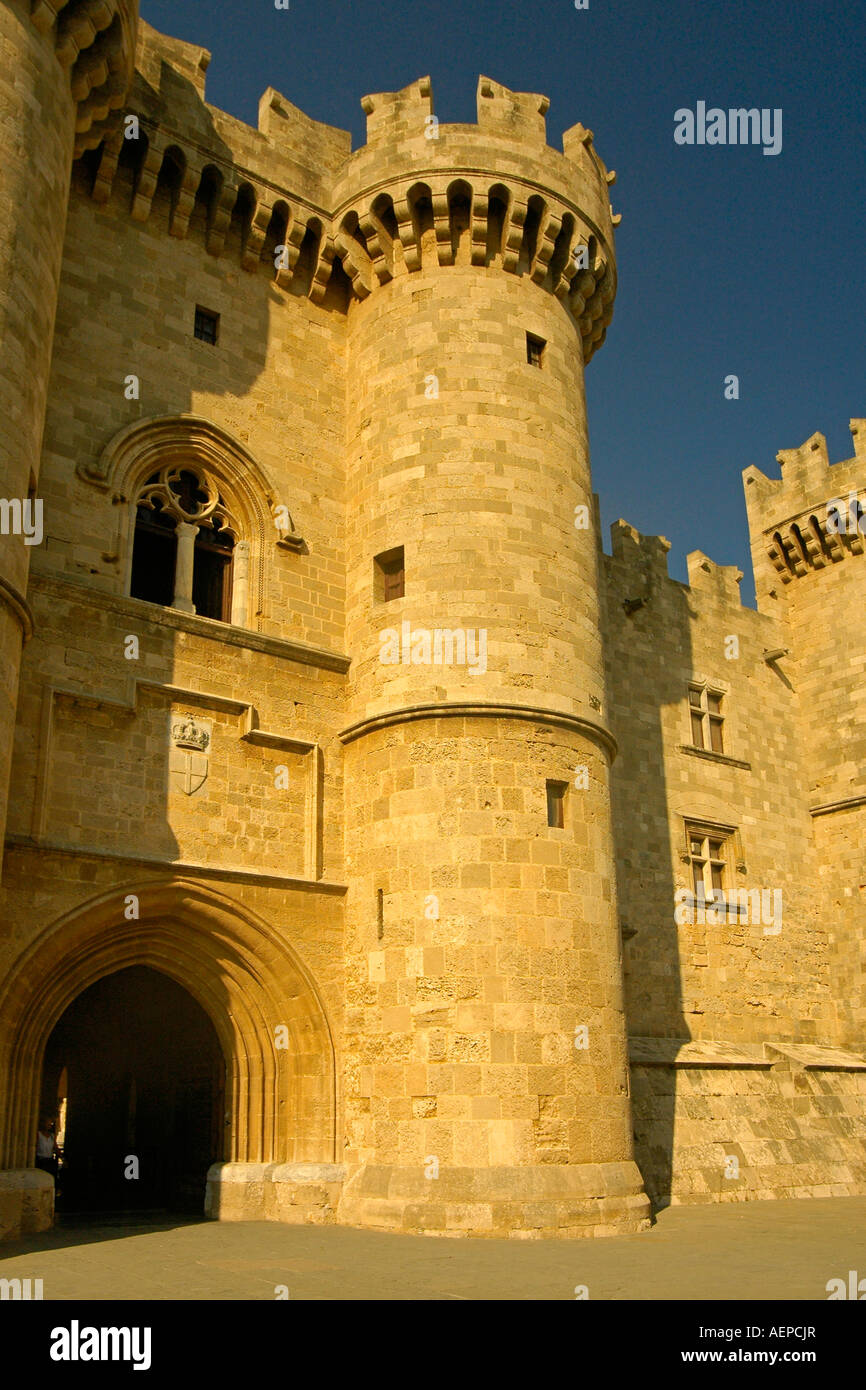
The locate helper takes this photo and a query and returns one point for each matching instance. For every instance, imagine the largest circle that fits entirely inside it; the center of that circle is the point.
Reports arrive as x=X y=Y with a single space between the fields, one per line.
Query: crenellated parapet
x=639 y=565
x=94 y=40
x=336 y=225
x=814 y=516
x=492 y=194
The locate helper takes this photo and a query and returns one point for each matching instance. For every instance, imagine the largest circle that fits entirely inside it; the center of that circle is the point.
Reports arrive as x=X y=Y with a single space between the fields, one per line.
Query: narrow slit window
x=556 y=804
x=389 y=575
x=696 y=716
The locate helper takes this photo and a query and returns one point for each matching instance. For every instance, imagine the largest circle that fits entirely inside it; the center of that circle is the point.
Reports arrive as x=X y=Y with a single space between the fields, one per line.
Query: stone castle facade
x=518 y=885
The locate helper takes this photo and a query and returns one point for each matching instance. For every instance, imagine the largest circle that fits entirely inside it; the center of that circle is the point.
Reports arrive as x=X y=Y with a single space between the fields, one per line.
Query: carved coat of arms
x=188 y=757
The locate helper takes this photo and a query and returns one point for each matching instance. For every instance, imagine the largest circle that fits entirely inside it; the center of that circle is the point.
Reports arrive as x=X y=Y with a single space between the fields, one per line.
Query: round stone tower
x=486 y=1076
x=65 y=69
x=808 y=534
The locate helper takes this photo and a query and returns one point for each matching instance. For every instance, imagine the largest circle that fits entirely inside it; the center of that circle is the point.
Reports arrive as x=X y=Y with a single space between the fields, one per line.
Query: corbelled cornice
x=95 y=41
x=813 y=540
x=335 y=225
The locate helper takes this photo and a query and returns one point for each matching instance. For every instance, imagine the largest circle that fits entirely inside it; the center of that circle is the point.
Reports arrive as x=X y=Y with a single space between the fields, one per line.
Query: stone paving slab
x=758 y=1250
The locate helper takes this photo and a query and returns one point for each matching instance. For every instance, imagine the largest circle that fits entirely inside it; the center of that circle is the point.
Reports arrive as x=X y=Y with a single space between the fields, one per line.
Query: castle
x=310 y=913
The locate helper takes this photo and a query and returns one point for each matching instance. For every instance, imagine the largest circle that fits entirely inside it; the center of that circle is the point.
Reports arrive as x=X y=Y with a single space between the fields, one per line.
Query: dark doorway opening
x=143 y=1078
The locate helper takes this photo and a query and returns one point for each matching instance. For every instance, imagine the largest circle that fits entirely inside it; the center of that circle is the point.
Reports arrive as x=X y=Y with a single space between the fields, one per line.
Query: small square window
x=389 y=575
x=206 y=325
x=534 y=350
x=556 y=804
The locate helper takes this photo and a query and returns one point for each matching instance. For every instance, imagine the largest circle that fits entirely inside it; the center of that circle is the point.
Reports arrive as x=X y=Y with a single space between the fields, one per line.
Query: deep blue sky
x=730 y=261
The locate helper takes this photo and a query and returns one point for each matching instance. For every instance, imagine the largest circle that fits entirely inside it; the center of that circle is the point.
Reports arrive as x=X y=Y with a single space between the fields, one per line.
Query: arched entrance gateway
x=135 y=1075
x=192 y=1034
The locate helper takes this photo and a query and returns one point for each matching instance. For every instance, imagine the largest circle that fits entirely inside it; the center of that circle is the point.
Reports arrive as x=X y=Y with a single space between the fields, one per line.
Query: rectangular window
x=705 y=714
x=212 y=575
x=389 y=575
x=708 y=856
x=556 y=804
x=534 y=350
x=715 y=717
x=154 y=557
x=206 y=325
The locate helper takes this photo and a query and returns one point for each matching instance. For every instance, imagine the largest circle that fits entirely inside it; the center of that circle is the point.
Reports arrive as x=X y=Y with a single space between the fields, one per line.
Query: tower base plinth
x=592 y=1199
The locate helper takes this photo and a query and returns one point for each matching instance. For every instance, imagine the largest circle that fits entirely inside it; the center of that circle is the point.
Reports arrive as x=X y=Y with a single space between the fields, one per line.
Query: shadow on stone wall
x=645 y=612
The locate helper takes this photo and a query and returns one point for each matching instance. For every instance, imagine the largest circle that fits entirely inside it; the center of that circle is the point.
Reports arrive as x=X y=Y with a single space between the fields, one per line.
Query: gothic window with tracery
x=184 y=542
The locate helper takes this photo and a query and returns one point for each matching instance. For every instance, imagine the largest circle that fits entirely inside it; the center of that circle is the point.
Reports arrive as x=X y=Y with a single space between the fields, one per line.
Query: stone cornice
x=806 y=542
x=711 y=757
x=524 y=207
x=484 y=710
x=185 y=866
x=95 y=43
x=848 y=803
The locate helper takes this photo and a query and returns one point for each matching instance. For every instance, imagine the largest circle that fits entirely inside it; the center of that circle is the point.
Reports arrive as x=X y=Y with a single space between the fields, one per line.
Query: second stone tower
x=486 y=1066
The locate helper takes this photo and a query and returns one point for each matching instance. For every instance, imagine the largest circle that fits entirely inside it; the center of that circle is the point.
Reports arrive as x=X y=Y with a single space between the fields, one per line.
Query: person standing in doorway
x=46 y=1147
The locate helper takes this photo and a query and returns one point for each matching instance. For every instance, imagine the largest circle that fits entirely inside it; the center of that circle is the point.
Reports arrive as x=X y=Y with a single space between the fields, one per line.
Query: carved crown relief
x=188 y=757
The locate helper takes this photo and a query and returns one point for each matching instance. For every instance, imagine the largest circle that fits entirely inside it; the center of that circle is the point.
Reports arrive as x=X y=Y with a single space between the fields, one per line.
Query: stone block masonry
x=283 y=397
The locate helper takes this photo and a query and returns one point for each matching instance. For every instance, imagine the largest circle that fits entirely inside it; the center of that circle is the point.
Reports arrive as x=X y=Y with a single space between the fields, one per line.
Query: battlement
x=393 y=116
x=336 y=224
x=722 y=582
x=643 y=562
x=810 y=518
x=632 y=548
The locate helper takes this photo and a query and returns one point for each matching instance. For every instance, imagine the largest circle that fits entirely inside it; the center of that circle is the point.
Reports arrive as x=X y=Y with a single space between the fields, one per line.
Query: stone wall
x=735 y=981
x=357 y=851
x=748 y=1121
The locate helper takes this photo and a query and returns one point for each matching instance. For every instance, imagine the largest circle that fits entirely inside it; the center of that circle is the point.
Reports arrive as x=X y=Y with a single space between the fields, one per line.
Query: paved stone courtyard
x=758 y=1250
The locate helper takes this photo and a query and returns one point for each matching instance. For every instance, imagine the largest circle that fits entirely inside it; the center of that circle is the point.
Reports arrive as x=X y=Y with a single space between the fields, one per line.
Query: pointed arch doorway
x=143 y=1077
x=266 y=1010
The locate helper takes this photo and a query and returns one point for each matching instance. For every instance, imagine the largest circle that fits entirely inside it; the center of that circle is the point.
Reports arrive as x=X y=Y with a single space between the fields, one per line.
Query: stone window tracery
x=186 y=549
